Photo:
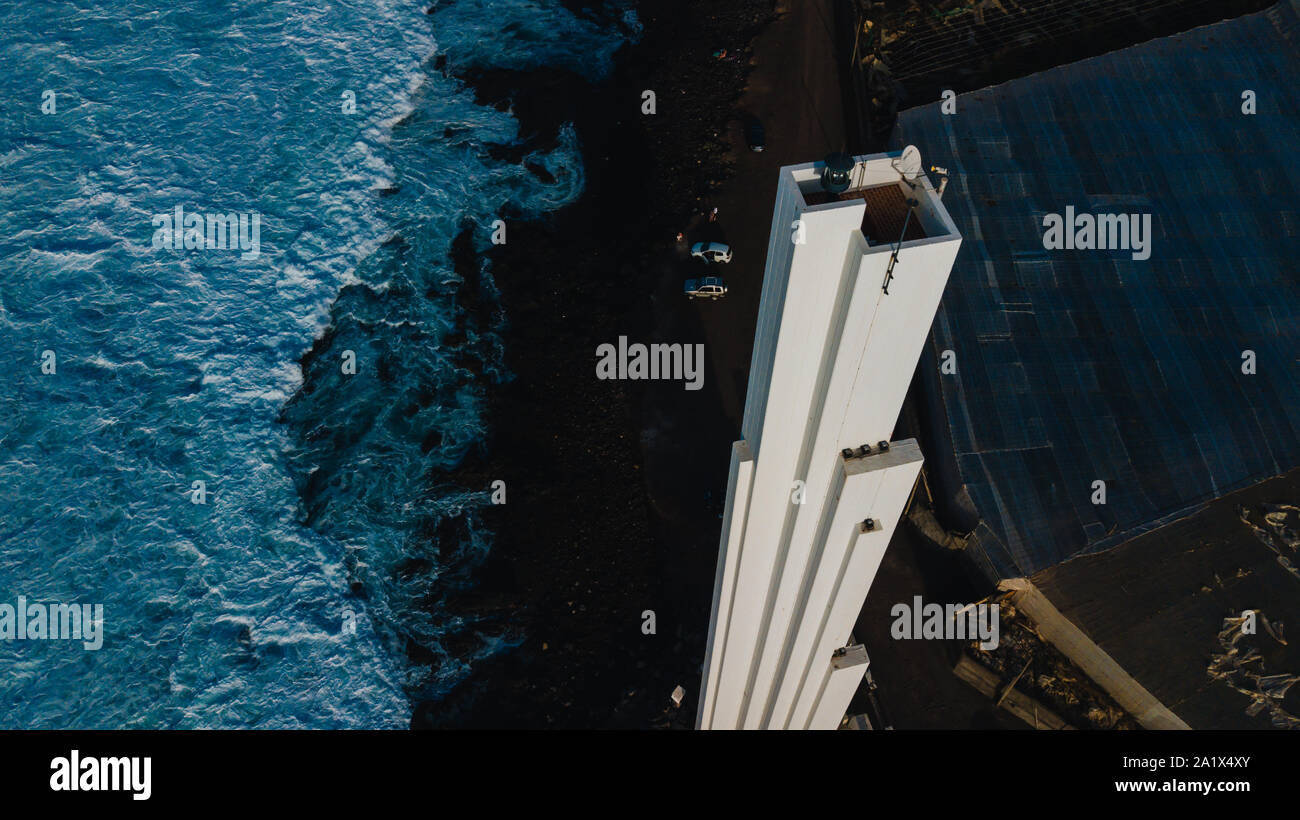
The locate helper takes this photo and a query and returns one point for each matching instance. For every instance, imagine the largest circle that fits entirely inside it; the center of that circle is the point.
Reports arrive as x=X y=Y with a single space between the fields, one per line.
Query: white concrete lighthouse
x=857 y=261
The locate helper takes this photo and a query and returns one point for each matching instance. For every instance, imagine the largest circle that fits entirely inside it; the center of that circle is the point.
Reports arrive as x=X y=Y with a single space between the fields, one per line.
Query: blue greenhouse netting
x=1078 y=366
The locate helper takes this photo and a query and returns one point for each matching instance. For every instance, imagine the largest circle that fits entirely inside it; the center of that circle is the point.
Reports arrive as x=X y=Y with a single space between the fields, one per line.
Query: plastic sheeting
x=1078 y=366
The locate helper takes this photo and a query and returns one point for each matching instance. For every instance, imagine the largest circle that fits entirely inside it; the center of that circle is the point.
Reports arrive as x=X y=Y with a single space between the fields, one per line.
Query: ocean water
x=306 y=591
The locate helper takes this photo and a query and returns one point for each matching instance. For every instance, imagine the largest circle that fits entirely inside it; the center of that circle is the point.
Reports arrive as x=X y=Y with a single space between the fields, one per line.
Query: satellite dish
x=909 y=165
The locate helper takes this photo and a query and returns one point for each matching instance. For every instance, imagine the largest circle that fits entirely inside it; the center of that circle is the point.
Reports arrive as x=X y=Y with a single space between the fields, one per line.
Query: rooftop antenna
x=943 y=179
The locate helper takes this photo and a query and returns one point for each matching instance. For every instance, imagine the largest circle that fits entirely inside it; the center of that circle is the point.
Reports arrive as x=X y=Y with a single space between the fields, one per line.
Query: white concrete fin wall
x=877 y=487
x=833 y=358
x=889 y=478
x=724 y=584
x=843 y=674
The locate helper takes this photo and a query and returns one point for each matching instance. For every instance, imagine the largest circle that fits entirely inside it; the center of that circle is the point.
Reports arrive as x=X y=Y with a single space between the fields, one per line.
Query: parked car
x=712 y=251
x=755 y=135
x=710 y=287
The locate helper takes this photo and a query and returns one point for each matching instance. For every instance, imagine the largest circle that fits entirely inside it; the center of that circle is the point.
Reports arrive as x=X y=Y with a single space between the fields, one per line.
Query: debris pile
x=1280 y=532
x=1027 y=663
x=1242 y=666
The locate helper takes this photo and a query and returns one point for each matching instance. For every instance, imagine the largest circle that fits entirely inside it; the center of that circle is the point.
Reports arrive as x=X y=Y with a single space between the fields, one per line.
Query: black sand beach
x=582 y=548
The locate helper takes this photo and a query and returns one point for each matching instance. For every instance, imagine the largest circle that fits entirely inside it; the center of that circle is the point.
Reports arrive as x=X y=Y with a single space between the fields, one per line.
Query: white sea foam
x=173 y=369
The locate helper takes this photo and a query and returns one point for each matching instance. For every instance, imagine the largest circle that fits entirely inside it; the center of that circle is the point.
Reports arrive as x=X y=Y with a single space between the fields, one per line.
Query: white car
x=710 y=287
x=711 y=251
